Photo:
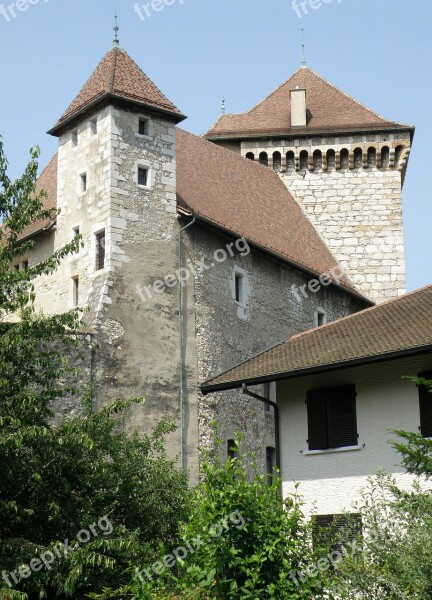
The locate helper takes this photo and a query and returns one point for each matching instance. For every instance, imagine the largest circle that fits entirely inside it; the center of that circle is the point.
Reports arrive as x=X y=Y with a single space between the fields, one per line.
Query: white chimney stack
x=298 y=107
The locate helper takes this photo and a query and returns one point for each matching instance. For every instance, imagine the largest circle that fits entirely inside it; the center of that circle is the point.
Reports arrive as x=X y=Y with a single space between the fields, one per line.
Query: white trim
x=332 y=450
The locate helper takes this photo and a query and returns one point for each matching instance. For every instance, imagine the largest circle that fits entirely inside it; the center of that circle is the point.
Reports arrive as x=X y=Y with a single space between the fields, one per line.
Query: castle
x=199 y=252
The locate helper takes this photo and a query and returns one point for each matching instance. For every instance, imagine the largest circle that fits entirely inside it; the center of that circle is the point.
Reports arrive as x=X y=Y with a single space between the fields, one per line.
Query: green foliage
x=57 y=481
x=261 y=540
x=396 y=559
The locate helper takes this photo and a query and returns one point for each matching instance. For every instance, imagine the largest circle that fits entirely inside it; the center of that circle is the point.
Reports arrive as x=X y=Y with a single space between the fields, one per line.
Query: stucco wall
x=331 y=481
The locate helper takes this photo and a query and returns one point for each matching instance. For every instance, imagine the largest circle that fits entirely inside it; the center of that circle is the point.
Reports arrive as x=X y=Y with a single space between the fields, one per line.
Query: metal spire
x=223 y=106
x=116 y=29
x=303 y=61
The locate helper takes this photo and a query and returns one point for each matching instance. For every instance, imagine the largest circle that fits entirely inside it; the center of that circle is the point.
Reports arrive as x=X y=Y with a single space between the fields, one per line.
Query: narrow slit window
x=270 y=464
x=231 y=452
x=143 y=127
x=239 y=288
x=76 y=232
x=83 y=179
x=74 y=138
x=94 y=126
x=75 y=290
x=142 y=176
x=100 y=250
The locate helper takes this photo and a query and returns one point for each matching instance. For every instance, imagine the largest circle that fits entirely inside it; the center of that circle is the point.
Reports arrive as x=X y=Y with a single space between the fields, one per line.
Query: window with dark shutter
x=332 y=421
x=425 y=399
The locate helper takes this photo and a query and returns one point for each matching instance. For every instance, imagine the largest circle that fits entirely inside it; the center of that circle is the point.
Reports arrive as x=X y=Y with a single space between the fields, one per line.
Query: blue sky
x=197 y=51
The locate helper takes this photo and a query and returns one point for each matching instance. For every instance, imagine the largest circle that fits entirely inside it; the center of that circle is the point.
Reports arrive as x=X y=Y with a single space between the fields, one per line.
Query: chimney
x=298 y=107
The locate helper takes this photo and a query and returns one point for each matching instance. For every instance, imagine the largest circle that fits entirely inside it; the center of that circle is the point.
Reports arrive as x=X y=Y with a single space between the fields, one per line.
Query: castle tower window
x=142 y=176
x=239 y=288
x=277 y=161
x=385 y=157
x=263 y=159
x=304 y=159
x=317 y=160
x=358 y=158
x=94 y=126
x=371 y=158
x=250 y=156
x=290 y=161
x=75 y=233
x=331 y=160
x=74 y=138
x=83 y=179
x=75 y=290
x=100 y=250
x=143 y=127
x=344 y=158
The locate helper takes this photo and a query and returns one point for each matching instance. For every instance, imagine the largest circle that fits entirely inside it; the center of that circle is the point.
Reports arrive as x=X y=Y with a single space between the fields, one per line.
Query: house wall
x=227 y=334
x=330 y=482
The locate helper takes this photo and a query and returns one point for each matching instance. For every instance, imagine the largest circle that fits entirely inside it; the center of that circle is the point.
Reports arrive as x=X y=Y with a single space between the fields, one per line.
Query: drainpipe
x=276 y=419
x=181 y=346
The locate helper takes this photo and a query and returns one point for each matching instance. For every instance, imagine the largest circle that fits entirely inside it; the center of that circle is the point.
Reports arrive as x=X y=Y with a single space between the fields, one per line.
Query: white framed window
x=143 y=176
x=320 y=317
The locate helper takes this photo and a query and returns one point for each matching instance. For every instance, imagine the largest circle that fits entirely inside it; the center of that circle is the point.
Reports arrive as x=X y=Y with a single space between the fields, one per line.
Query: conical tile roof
x=118 y=76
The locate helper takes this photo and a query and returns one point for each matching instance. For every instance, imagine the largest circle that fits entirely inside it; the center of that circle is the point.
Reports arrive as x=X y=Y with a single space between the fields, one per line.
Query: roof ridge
x=362 y=312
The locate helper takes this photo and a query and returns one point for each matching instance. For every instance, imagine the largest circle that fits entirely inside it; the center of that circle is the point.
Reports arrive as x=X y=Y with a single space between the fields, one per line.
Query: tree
x=240 y=541
x=395 y=562
x=80 y=502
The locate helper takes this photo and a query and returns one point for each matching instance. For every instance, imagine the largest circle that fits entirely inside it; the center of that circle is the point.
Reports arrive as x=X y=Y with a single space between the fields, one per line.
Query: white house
x=341 y=389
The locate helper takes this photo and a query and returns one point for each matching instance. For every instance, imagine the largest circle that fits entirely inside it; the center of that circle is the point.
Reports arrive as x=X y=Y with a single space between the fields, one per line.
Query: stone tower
x=343 y=163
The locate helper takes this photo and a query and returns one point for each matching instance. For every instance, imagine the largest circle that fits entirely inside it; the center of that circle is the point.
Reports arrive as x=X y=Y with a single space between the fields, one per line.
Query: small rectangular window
x=142 y=176
x=83 y=178
x=25 y=265
x=332 y=421
x=425 y=400
x=270 y=464
x=75 y=290
x=143 y=127
x=93 y=126
x=231 y=453
x=320 y=317
x=100 y=250
x=239 y=288
x=74 y=138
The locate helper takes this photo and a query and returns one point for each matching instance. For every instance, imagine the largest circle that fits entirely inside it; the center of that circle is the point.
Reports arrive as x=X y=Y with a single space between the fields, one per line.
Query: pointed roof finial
x=116 y=29
x=223 y=106
x=303 y=61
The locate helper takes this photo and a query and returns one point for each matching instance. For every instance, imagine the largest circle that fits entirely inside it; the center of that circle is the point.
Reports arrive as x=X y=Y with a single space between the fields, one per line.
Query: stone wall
x=226 y=337
x=351 y=189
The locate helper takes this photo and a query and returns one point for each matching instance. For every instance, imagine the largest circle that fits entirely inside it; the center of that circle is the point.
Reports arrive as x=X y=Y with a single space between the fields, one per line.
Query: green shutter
x=341 y=416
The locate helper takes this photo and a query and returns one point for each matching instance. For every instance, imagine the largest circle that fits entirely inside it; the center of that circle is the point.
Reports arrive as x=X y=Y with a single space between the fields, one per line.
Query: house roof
x=328 y=110
x=399 y=327
x=46 y=181
x=118 y=76
x=241 y=197
x=250 y=200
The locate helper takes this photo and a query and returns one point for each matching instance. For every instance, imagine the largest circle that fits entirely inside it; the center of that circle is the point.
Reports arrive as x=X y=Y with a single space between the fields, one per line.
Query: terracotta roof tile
x=47 y=181
x=403 y=324
x=329 y=109
x=249 y=200
x=117 y=74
